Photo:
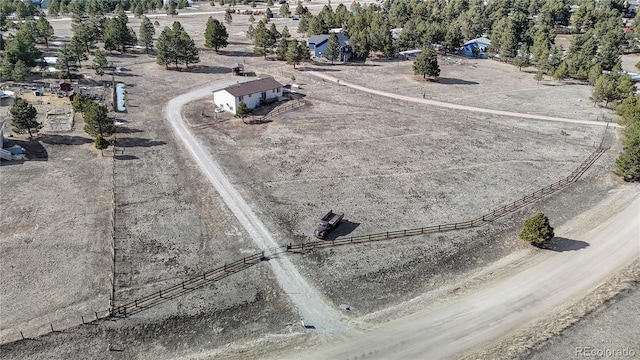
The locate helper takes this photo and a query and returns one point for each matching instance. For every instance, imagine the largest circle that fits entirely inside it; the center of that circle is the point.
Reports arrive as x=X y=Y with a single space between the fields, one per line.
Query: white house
x=252 y=93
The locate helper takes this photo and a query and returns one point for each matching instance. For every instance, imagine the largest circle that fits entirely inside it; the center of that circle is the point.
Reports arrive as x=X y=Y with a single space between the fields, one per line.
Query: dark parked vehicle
x=328 y=222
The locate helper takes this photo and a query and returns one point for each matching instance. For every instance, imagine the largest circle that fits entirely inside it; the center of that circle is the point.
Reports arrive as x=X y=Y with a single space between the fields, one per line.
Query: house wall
x=223 y=99
x=228 y=102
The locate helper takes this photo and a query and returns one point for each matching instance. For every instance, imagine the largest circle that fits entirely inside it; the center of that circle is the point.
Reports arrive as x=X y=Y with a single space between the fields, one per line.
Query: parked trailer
x=327 y=222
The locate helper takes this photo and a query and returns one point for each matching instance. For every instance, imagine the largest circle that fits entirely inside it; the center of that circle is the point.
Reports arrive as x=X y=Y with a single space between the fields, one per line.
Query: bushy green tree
x=20 y=71
x=215 y=35
x=332 y=50
x=99 y=62
x=45 y=30
x=175 y=46
x=97 y=121
x=145 y=34
x=426 y=64
x=23 y=118
x=242 y=111
x=537 y=230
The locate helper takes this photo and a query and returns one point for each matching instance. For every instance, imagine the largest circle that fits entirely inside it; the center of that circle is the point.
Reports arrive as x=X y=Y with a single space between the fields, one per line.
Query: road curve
x=457 y=106
x=305 y=297
x=501 y=307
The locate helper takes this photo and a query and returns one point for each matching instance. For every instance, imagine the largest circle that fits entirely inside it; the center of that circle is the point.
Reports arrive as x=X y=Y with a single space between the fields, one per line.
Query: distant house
x=480 y=44
x=253 y=93
x=409 y=54
x=318 y=44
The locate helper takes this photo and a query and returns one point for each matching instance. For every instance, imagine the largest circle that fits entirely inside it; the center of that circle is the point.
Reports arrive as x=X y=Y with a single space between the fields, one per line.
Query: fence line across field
x=145 y=302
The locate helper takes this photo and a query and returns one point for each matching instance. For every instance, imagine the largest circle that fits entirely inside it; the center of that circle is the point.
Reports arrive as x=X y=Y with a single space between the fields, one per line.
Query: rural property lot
x=386 y=164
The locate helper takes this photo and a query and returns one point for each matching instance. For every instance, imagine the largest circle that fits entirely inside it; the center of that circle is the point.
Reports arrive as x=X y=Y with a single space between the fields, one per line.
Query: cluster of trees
x=628 y=163
x=270 y=40
x=81 y=8
x=175 y=46
x=20 y=52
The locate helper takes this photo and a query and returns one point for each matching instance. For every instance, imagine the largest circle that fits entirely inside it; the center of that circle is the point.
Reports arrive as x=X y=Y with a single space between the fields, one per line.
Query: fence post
x=96 y=315
x=82 y=317
x=160 y=294
x=51 y=324
x=21 y=334
x=136 y=302
x=439 y=228
x=204 y=276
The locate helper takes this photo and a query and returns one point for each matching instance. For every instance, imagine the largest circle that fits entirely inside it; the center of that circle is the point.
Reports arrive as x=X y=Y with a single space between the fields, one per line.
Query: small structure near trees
x=537 y=230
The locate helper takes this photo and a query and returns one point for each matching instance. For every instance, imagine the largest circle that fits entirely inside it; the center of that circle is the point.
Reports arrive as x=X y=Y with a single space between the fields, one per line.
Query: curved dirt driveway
x=457 y=106
x=456 y=327
x=305 y=297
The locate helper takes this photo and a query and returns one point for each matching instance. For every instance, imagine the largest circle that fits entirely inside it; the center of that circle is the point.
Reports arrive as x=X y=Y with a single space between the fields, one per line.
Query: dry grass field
x=387 y=165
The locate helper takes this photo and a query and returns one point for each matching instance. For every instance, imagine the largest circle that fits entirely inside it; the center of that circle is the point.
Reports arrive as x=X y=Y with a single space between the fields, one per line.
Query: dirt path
x=308 y=301
x=468 y=322
x=457 y=106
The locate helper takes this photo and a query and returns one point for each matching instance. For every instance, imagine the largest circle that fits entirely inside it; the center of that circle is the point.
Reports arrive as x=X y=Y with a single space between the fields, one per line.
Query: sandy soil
x=359 y=154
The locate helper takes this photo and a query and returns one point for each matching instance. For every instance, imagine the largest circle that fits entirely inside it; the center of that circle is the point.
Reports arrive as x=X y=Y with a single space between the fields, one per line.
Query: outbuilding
x=476 y=48
x=253 y=93
x=318 y=44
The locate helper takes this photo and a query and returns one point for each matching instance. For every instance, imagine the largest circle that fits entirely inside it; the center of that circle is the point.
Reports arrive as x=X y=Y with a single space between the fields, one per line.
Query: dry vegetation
x=387 y=165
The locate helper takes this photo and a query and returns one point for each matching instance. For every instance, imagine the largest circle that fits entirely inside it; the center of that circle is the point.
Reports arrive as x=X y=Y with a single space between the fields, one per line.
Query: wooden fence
x=480 y=221
x=222 y=272
x=290 y=105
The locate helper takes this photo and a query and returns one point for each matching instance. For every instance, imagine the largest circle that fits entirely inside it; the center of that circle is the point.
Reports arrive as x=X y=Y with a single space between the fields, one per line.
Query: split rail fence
x=222 y=272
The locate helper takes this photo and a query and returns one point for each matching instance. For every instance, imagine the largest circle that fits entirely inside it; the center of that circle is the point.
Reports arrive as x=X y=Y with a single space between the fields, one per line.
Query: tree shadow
x=452 y=81
x=559 y=244
x=33 y=150
x=53 y=139
x=206 y=69
x=125 y=157
x=344 y=228
x=239 y=53
x=130 y=142
x=126 y=130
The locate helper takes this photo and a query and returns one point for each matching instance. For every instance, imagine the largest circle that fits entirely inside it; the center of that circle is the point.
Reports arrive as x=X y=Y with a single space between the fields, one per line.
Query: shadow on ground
x=138 y=142
x=344 y=228
x=53 y=139
x=452 y=81
x=559 y=244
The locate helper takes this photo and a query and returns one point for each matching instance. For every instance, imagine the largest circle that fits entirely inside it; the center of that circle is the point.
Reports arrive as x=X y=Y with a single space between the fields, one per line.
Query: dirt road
x=313 y=309
x=472 y=320
x=457 y=106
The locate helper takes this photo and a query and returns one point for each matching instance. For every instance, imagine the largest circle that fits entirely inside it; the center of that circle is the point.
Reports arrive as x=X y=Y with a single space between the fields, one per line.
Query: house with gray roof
x=253 y=93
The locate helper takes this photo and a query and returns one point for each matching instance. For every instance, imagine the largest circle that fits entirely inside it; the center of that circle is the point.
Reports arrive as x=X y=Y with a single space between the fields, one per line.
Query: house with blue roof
x=318 y=43
x=476 y=48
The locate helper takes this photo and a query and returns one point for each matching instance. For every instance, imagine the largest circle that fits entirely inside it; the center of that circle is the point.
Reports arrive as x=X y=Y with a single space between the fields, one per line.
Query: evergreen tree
x=227 y=17
x=145 y=34
x=426 y=64
x=20 y=71
x=284 y=10
x=45 y=30
x=283 y=47
x=23 y=118
x=66 y=60
x=332 y=51
x=99 y=62
x=97 y=121
x=628 y=162
x=303 y=25
x=215 y=35
x=297 y=53
x=537 y=230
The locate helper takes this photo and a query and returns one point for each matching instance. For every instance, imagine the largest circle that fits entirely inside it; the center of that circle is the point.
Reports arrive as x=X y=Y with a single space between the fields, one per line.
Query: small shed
x=238 y=69
x=65 y=86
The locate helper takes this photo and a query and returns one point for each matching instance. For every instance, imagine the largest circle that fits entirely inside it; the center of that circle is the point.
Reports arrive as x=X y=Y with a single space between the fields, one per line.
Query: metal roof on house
x=481 y=40
x=253 y=87
x=319 y=39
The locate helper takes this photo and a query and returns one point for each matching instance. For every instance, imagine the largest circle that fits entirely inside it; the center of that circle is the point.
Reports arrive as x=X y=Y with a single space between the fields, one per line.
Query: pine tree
x=537 y=230
x=284 y=10
x=45 y=30
x=97 y=121
x=215 y=35
x=23 y=118
x=99 y=62
x=145 y=34
x=65 y=59
x=332 y=50
x=227 y=17
x=20 y=71
x=281 y=51
x=164 y=52
x=426 y=64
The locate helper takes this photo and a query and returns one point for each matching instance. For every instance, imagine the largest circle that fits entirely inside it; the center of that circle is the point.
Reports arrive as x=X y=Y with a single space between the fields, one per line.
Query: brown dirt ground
x=386 y=165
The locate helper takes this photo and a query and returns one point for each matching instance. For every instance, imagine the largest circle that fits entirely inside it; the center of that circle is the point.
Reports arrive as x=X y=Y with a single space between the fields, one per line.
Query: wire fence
x=186 y=286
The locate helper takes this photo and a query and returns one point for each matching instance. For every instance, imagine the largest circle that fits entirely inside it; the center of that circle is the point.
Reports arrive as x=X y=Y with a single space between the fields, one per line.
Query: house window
x=263 y=95
x=278 y=90
x=240 y=98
